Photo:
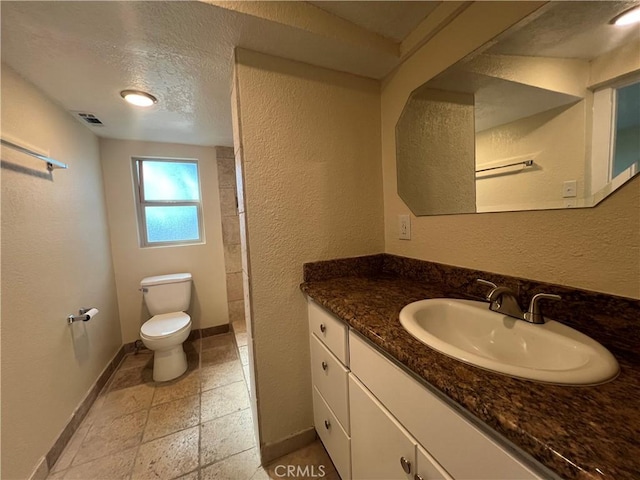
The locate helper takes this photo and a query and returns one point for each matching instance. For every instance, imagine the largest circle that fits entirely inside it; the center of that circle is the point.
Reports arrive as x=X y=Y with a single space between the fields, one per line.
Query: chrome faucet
x=503 y=300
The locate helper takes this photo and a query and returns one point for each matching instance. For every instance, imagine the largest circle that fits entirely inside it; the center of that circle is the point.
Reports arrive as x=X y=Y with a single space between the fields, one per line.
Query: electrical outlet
x=404 y=227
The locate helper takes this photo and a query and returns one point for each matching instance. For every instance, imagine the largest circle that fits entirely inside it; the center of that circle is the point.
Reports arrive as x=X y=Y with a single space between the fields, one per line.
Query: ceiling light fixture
x=629 y=17
x=138 y=98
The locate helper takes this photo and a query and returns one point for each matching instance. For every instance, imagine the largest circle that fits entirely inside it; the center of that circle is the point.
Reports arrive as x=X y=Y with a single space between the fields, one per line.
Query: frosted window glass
x=172 y=224
x=177 y=181
x=627 y=136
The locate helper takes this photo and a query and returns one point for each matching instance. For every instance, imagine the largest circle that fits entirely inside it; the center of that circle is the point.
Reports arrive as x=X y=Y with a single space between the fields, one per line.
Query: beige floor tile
x=141 y=359
x=244 y=465
x=131 y=377
x=214 y=341
x=111 y=437
x=66 y=457
x=168 y=457
x=170 y=417
x=310 y=462
x=226 y=436
x=112 y=467
x=184 y=386
x=241 y=339
x=218 y=354
x=121 y=402
x=220 y=374
x=244 y=355
x=239 y=327
x=189 y=476
x=222 y=401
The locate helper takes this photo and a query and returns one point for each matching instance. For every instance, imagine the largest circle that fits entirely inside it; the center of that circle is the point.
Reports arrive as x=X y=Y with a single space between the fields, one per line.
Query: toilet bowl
x=167 y=296
x=165 y=334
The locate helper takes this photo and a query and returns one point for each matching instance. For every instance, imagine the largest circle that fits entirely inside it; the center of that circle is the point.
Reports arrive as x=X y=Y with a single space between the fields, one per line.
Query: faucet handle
x=488 y=284
x=534 y=314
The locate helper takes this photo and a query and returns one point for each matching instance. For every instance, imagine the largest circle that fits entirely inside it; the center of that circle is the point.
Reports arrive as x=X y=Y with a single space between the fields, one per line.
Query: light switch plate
x=569 y=189
x=404 y=227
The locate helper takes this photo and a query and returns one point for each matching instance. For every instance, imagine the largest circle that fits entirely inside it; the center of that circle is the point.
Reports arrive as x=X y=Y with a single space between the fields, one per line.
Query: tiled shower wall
x=230 y=232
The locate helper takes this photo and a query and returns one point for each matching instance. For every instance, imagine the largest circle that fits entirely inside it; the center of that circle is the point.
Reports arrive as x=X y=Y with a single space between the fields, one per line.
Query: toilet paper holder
x=84 y=314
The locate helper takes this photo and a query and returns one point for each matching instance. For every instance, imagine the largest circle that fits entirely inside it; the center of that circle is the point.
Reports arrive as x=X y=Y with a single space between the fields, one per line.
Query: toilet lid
x=165 y=324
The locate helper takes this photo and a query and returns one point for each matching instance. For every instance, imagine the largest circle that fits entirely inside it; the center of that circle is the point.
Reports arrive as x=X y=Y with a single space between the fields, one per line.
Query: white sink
x=468 y=331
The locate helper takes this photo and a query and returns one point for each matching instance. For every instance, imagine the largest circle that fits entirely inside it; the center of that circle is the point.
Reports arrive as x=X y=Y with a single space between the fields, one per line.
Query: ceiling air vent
x=89 y=119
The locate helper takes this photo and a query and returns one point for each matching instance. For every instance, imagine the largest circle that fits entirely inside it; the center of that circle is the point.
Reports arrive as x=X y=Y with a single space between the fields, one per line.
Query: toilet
x=167 y=297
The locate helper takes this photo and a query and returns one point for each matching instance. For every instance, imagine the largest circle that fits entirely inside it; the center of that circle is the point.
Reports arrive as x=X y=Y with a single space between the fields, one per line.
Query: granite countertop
x=576 y=431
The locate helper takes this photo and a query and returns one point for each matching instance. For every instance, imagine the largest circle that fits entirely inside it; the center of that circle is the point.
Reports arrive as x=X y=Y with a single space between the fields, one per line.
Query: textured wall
x=555 y=139
x=132 y=263
x=310 y=140
x=435 y=151
x=597 y=248
x=55 y=259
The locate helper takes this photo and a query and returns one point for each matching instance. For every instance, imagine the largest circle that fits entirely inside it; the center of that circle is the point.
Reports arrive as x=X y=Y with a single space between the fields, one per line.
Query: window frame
x=141 y=203
x=603 y=136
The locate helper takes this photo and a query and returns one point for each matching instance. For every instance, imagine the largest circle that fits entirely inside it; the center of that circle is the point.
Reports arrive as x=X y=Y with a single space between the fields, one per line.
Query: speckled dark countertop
x=577 y=432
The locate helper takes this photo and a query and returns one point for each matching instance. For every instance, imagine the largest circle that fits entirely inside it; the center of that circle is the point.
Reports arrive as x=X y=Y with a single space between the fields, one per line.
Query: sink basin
x=468 y=331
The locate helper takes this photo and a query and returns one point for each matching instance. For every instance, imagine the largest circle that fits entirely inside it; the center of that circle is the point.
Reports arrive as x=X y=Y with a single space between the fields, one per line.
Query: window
x=168 y=201
x=626 y=149
x=615 y=148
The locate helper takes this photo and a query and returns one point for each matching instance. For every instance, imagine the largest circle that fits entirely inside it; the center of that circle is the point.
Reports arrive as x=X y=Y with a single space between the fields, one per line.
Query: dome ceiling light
x=629 y=17
x=138 y=98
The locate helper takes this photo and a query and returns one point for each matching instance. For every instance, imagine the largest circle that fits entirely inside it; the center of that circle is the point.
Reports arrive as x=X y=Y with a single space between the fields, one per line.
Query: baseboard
x=48 y=461
x=273 y=451
x=41 y=471
x=217 y=330
x=78 y=415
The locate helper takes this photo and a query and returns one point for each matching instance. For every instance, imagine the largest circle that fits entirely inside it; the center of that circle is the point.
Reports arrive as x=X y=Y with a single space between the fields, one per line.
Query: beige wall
x=310 y=141
x=132 y=263
x=597 y=248
x=555 y=139
x=55 y=260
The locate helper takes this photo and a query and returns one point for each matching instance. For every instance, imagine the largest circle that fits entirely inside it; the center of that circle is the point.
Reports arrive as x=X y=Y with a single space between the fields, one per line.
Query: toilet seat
x=166 y=324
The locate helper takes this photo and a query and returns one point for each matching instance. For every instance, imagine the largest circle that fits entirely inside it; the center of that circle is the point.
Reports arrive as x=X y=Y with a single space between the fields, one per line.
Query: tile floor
x=197 y=427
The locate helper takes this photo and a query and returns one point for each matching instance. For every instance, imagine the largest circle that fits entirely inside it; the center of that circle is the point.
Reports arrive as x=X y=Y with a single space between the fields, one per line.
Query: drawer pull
x=325 y=366
x=323 y=328
x=327 y=424
x=406 y=465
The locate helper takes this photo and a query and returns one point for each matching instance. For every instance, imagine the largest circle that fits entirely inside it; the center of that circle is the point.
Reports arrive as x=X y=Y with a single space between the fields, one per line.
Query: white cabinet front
x=380 y=448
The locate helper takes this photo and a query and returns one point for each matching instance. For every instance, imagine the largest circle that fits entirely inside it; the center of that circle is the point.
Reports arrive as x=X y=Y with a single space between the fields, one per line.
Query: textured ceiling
x=82 y=54
x=393 y=20
x=571 y=29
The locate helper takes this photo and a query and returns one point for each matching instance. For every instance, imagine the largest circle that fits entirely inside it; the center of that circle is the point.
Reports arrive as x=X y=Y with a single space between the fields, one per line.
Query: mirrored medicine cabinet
x=547 y=116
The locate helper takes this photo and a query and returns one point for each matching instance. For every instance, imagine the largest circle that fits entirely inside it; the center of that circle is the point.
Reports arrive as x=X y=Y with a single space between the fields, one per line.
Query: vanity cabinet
x=377 y=421
x=328 y=338
x=382 y=449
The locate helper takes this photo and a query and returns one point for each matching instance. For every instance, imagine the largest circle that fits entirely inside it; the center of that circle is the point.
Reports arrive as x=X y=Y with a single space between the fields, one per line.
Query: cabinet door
x=427 y=468
x=380 y=448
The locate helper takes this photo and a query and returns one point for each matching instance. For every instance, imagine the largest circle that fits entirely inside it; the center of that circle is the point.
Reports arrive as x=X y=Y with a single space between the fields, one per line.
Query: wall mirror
x=546 y=116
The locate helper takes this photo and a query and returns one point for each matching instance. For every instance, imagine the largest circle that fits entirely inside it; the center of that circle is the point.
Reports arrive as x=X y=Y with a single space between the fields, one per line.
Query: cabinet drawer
x=331 y=379
x=331 y=331
x=333 y=437
x=462 y=449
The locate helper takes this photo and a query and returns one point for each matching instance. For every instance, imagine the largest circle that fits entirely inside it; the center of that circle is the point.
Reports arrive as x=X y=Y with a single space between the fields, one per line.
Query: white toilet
x=167 y=297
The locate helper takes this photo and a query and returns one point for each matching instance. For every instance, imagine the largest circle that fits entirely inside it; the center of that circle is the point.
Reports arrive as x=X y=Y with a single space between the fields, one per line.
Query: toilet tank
x=167 y=293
